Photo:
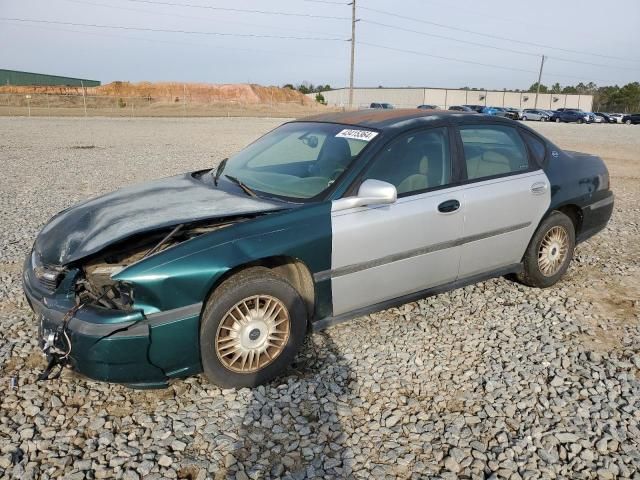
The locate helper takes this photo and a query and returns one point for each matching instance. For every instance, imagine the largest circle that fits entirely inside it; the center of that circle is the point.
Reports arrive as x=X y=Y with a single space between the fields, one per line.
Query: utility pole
x=84 y=98
x=539 y=80
x=353 y=50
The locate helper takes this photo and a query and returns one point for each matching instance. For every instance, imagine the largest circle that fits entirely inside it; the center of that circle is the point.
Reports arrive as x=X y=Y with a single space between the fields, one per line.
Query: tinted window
x=493 y=150
x=415 y=162
x=536 y=146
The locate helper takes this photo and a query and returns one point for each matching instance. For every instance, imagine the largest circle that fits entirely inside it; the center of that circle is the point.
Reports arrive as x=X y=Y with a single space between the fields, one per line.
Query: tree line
x=612 y=98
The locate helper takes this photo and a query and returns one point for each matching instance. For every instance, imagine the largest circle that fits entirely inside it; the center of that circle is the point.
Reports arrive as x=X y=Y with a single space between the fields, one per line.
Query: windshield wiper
x=244 y=187
x=219 y=170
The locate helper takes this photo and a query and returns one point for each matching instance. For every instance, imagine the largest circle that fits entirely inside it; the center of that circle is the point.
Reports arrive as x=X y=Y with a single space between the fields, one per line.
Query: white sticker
x=365 y=135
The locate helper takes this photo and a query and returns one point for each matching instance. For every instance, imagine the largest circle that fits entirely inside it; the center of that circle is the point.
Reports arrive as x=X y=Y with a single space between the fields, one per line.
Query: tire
x=628 y=122
x=533 y=274
x=557 y=120
x=216 y=319
x=579 y=121
x=543 y=119
x=524 y=119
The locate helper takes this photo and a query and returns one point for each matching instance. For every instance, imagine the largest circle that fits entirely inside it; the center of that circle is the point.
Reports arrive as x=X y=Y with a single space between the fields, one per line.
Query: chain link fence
x=46 y=104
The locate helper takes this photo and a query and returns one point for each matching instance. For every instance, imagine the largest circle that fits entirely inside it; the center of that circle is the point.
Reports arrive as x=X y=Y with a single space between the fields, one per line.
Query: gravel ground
x=495 y=380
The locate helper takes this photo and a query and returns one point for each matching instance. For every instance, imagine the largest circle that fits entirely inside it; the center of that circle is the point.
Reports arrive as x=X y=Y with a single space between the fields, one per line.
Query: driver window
x=415 y=162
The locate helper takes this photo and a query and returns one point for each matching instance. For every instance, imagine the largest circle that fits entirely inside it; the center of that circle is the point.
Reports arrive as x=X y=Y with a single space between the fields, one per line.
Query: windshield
x=297 y=161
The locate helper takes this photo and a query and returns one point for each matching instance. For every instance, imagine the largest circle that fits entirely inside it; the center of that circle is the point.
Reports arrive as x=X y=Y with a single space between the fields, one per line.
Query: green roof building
x=14 y=77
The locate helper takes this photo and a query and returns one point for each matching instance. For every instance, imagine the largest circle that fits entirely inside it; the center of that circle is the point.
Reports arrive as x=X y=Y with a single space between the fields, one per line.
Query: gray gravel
x=495 y=380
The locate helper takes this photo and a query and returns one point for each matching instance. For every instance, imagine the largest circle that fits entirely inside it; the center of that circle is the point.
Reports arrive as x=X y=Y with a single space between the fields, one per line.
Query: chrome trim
x=412 y=297
x=357 y=267
x=158 y=319
x=602 y=203
x=169 y=316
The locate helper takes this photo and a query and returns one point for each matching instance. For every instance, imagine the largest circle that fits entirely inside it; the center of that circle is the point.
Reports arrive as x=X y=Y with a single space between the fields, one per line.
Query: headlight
x=48 y=275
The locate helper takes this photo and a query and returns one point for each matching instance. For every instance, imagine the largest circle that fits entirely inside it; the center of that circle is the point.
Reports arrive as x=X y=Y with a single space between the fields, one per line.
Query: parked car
x=461 y=108
x=489 y=111
x=631 y=119
x=516 y=111
x=476 y=108
x=500 y=112
x=567 y=115
x=603 y=118
x=428 y=107
x=616 y=117
x=384 y=106
x=225 y=270
x=535 y=114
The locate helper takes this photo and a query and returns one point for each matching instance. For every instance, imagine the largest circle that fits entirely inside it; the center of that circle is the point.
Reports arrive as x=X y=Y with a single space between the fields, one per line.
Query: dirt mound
x=177 y=92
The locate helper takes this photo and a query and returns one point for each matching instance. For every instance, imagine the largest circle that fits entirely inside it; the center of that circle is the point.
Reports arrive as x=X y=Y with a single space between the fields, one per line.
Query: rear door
x=381 y=253
x=505 y=196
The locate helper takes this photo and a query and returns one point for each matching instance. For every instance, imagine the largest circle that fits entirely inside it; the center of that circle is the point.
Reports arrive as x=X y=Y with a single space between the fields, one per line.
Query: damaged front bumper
x=114 y=345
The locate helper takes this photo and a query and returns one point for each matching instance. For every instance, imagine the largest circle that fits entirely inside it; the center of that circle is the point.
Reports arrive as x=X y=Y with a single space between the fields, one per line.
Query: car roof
x=405 y=118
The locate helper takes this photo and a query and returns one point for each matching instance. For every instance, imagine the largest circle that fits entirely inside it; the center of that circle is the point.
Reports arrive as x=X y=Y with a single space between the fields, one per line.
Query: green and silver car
x=225 y=271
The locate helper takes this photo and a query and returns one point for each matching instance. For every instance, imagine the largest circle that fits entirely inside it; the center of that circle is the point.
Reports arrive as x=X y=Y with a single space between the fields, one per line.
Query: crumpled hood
x=90 y=226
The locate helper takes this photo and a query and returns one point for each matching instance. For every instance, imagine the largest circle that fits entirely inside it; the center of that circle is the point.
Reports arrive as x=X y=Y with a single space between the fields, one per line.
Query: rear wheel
x=251 y=329
x=549 y=252
x=628 y=122
x=557 y=120
x=579 y=121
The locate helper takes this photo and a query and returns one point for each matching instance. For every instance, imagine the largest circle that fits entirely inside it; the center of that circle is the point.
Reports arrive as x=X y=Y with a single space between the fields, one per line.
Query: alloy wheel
x=252 y=334
x=553 y=251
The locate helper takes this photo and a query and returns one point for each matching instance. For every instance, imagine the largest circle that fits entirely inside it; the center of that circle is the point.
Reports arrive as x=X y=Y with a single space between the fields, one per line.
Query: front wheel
x=251 y=329
x=524 y=119
x=557 y=120
x=549 y=252
x=628 y=122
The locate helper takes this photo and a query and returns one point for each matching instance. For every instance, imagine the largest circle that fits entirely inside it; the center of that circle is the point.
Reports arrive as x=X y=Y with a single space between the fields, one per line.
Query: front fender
x=183 y=275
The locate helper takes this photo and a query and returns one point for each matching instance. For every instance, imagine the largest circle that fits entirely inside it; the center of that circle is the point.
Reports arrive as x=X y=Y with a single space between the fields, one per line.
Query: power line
x=327 y=2
x=423 y=54
x=522 y=42
x=471 y=62
x=444 y=37
x=190 y=17
x=494 y=47
x=171 y=42
x=164 y=30
x=240 y=10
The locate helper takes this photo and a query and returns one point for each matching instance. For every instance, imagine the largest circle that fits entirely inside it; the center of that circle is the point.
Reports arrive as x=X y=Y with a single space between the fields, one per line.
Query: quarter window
x=536 y=146
x=492 y=151
x=415 y=162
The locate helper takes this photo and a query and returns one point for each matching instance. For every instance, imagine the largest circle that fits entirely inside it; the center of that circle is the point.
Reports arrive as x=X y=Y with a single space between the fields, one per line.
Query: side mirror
x=371 y=192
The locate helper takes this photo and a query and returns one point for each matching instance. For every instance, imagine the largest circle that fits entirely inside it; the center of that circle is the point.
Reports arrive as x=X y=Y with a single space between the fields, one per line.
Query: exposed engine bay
x=95 y=286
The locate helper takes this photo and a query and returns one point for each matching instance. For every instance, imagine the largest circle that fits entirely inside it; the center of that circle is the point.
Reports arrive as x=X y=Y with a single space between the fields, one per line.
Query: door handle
x=538 y=188
x=449 y=206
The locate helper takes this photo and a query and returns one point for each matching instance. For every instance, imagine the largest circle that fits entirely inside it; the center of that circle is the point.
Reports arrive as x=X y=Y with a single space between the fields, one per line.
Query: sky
x=496 y=44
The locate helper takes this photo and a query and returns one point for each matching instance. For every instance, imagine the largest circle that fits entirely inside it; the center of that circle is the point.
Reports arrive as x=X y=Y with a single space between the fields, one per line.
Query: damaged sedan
x=225 y=271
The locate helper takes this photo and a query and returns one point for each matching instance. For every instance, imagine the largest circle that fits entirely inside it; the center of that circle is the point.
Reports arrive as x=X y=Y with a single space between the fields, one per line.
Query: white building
x=411 y=97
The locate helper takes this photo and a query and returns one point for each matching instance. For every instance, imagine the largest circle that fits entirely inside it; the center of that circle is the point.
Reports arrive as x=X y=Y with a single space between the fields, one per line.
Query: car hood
x=89 y=227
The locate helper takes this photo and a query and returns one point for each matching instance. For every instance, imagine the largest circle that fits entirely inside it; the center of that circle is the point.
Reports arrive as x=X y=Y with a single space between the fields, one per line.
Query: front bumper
x=113 y=345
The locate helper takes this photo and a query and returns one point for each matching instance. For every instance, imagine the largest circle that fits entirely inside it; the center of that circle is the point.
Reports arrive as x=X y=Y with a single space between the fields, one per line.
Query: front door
x=385 y=252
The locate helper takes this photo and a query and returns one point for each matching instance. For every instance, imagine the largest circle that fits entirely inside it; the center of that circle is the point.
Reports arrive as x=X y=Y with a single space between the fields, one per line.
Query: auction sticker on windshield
x=365 y=135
